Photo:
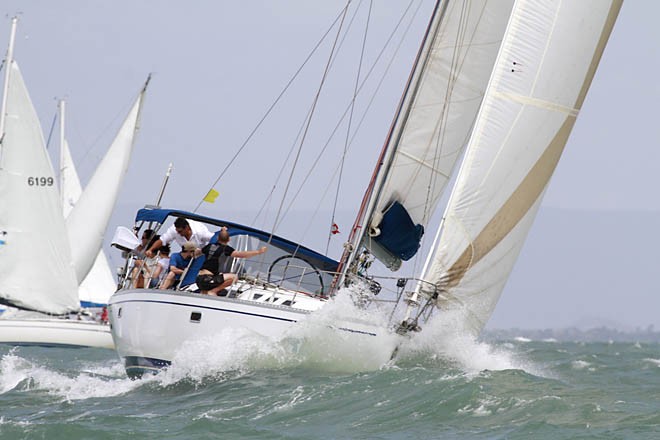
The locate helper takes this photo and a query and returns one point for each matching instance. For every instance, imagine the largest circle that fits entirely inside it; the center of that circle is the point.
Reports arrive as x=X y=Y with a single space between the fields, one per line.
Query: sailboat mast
x=389 y=149
x=62 y=110
x=5 y=88
x=164 y=185
x=143 y=93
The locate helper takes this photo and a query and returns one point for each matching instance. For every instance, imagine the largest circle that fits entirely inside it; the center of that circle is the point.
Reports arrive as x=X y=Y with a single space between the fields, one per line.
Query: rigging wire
x=364 y=115
x=455 y=66
x=302 y=127
x=269 y=197
x=348 y=128
x=120 y=113
x=275 y=102
x=315 y=102
x=306 y=123
x=376 y=185
x=50 y=132
x=371 y=101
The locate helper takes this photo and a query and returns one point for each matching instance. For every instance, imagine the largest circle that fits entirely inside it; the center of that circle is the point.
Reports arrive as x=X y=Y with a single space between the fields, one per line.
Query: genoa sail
x=34 y=256
x=89 y=218
x=99 y=284
x=543 y=71
x=437 y=113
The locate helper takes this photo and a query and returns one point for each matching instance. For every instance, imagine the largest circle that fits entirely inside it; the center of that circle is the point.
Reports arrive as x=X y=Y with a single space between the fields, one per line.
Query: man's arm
x=248 y=254
x=176 y=270
x=156 y=245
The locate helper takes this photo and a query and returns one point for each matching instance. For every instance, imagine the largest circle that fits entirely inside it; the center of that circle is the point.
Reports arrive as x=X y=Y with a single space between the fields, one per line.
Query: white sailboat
x=291 y=282
x=39 y=281
x=508 y=80
x=99 y=283
x=37 y=278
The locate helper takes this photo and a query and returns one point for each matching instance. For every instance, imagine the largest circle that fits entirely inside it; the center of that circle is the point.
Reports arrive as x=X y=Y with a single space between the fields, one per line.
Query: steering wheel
x=299 y=270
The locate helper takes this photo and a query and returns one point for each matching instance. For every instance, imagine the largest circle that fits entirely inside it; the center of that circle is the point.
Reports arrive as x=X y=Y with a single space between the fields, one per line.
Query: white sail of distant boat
x=34 y=257
x=434 y=121
x=88 y=220
x=99 y=283
x=38 y=280
x=545 y=66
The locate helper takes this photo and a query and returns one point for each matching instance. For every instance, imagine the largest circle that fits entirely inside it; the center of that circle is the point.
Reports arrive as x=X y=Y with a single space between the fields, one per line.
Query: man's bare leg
x=168 y=281
x=229 y=280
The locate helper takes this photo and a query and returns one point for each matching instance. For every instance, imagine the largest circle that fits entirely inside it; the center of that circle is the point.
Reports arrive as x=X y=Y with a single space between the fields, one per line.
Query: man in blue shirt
x=179 y=263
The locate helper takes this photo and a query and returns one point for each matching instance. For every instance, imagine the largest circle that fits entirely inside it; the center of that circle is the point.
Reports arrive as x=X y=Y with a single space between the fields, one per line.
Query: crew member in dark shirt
x=215 y=275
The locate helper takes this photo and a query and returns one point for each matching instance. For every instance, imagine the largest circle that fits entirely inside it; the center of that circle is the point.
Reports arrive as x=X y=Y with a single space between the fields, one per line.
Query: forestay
x=437 y=113
x=89 y=218
x=548 y=59
x=35 y=257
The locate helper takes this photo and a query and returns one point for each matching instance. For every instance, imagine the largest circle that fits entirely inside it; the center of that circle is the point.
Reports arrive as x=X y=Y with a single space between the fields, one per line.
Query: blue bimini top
x=316 y=259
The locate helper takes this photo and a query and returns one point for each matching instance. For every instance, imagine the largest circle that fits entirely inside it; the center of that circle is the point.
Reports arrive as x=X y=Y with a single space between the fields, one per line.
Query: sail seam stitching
x=535 y=102
x=421 y=162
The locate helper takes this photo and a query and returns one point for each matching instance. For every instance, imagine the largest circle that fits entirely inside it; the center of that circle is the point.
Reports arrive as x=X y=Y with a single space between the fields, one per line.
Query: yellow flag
x=211 y=196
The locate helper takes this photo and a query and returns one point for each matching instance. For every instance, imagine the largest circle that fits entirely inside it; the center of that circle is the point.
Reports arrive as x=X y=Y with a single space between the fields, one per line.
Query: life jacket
x=224 y=261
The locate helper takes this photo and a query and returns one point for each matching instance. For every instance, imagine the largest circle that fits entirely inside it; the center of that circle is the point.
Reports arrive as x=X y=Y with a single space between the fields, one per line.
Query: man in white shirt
x=181 y=231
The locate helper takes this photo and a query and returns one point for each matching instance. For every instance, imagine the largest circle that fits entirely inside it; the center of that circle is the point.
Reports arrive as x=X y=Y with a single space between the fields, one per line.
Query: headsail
x=433 y=124
x=34 y=257
x=89 y=218
x=99 y=284
x=548 y=59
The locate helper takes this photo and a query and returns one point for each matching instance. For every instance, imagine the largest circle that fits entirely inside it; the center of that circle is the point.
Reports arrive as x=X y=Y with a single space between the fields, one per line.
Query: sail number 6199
x=40 y=181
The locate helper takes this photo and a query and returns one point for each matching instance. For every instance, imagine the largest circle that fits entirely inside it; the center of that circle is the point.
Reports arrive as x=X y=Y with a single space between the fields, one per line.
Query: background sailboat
x=35 y=235
x=37 y=278
x=40 y=280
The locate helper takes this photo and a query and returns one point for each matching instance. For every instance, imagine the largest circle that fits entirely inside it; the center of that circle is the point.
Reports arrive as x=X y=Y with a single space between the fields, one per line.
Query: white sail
x=99 y=284
x=548 y=58
x=438 y=112
x=89 y=218
x=35 y=256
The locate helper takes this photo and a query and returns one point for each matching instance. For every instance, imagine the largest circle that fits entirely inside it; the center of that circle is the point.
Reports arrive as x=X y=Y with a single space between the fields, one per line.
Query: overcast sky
x=219 y=65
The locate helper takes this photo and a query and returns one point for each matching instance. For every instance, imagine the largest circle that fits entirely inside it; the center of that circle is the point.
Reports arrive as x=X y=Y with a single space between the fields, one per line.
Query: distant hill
x=601 y=334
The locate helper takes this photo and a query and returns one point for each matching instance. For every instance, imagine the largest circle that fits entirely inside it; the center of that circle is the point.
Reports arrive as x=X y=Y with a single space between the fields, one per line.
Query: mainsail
x=547 y=61
x=89 y=218
x=99 y=284
x=434 y=121
x=34 y=254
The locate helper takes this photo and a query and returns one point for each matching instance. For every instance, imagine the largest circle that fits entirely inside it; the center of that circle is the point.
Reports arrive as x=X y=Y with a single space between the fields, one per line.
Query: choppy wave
x=243 y=385
x=319 y=383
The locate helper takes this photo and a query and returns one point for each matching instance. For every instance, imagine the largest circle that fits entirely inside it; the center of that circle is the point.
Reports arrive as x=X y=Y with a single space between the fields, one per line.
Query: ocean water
x=239 y=386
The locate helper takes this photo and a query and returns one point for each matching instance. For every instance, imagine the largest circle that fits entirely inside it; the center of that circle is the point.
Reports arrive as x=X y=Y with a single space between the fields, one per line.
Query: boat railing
x=299 y=277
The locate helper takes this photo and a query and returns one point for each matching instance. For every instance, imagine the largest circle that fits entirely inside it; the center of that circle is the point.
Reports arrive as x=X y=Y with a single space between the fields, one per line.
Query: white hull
x=149 y=326
x=55 y=332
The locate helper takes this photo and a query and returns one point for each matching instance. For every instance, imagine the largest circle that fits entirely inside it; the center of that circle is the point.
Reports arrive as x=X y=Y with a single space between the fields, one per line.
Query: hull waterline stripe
x=203 y=307
x=47 y=345
x=354 y=331
x=4 y=325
